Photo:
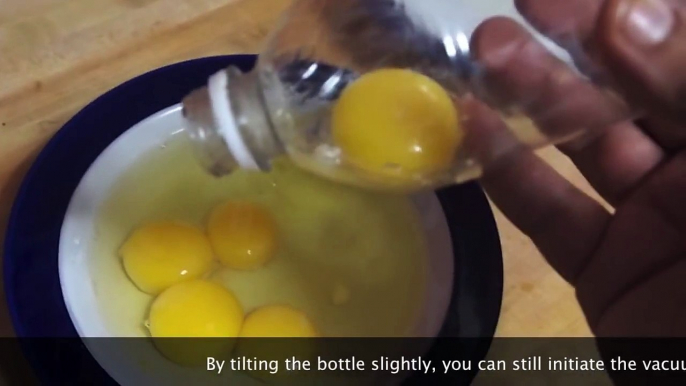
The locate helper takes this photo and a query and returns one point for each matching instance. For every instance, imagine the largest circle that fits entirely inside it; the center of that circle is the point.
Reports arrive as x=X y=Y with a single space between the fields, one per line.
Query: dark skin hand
x=628 y=266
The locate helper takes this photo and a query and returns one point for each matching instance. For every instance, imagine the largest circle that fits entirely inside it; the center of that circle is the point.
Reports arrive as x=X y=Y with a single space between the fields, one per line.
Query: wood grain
x=56 y=56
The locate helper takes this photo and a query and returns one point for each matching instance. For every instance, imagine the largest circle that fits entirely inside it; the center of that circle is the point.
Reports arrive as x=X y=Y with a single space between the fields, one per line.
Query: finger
x=654 y=221
x=570 y=24
x=519 y=73
x=643 y=41
x=563 y=20
x=573 y=24
x=659 y=299
x=564 y=223
x=613 y=161
x=668 y=134
x=616 y=161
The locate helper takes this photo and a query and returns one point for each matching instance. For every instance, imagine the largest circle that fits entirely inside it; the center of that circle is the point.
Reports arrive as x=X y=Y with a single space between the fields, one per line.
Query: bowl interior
x=77 y=235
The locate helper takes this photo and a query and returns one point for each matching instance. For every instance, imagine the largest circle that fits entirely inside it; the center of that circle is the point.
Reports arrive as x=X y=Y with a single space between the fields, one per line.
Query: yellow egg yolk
x=242 y=234
x=195 y=309
x=396 y=123
x=277 y=321
x=159 y=255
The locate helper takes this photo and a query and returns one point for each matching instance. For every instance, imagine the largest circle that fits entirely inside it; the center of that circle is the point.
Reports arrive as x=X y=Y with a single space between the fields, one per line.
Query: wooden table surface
x=58 y=55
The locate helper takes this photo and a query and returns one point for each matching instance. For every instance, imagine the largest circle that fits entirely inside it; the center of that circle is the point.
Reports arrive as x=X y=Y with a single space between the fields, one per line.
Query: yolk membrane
x=278 y=321
x=242 y=234
x=396 y=123
x=195 y=309
x=161 y=254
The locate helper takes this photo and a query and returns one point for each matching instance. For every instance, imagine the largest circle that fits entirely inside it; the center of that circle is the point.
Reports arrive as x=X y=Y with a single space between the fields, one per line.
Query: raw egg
x=195 y=309
x=161 y=254
x=243 y=235
x=278 y=321
x=396 y=123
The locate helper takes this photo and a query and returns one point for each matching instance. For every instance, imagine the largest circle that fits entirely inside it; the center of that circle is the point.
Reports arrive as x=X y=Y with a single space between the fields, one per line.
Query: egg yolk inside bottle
x=161 y=254
x=242 y=234
x=396 y=123
x=195 y=309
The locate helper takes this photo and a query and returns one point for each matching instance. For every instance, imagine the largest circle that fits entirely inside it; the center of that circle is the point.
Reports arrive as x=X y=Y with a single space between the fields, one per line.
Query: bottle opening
x=225 y=120
x=210 y=148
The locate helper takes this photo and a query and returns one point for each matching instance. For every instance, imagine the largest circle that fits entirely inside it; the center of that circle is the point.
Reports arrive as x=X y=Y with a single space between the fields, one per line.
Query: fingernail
x=648 y=22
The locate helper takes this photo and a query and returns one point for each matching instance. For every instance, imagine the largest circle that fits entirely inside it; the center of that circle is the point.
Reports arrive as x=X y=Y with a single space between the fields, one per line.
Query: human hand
x=628 y=266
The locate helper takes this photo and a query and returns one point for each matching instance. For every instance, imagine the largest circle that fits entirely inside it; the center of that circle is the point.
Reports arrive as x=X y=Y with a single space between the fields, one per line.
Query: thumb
x=644 y=42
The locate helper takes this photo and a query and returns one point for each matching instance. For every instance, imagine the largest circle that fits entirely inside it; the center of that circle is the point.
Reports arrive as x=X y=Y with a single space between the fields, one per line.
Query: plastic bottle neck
x=229 y=123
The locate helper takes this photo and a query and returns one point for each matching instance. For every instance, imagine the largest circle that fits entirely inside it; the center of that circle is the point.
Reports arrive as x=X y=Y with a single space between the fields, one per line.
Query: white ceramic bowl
x=77 y=238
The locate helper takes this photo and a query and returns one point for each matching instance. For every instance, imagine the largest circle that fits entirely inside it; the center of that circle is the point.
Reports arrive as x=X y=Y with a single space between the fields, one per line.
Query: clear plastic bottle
x=283 y=107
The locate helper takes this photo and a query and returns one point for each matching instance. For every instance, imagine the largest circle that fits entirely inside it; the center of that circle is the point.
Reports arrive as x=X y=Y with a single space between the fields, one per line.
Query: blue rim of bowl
x=31 y=278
